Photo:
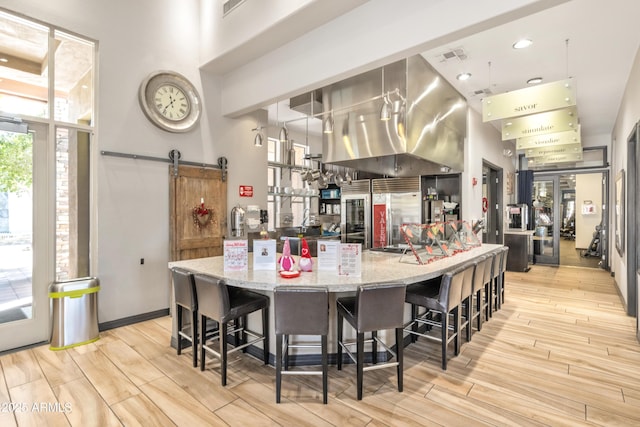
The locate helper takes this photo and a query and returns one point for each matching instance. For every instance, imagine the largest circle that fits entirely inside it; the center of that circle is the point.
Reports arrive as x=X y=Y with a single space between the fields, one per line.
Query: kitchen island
x=377 y=267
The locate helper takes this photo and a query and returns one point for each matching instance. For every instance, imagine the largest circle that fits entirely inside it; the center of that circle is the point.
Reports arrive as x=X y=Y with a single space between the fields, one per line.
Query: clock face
x=170 y=101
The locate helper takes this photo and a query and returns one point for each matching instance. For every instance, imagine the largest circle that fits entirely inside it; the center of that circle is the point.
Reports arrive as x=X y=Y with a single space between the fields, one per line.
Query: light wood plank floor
x=561 y=352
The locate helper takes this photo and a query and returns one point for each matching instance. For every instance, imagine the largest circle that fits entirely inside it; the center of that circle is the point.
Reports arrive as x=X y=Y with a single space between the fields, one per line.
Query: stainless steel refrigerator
x=355 y=213
x=395 y=201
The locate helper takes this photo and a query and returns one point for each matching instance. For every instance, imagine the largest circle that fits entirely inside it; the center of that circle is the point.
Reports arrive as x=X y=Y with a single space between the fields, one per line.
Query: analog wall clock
x=170 y=101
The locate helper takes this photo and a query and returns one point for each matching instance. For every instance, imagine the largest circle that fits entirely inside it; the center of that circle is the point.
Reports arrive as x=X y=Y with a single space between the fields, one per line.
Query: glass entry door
x=546 y=220
x=24 y=251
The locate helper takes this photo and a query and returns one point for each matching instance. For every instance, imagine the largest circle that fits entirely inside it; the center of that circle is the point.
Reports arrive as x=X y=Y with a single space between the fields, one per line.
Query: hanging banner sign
x=379 y=226
x=559 y=158
x=569 y=137
x=531 y=100
x=553 y=150
x=540 y=124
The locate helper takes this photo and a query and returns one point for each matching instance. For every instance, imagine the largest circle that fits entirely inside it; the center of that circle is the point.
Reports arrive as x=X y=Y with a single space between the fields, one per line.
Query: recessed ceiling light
x=4 y=60
x=534 y=80
x=521 y=44
x=463 y=76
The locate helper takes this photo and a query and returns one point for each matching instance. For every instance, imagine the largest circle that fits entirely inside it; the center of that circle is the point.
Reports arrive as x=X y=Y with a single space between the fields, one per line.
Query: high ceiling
x=592 y=41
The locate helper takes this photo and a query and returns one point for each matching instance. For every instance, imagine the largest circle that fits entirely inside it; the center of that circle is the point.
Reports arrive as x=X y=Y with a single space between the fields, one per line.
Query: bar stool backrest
x=467 y=282
x=184 y=289
x=301 y=310
x=213 y=297
x=478 y=276
x=380 y=306
x=497 y=263
x=488 y=270
x=503 y=262
x=450 y=294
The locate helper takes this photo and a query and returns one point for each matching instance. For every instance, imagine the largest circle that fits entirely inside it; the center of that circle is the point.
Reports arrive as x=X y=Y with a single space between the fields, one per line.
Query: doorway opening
x=569 y=219
x=492 y=203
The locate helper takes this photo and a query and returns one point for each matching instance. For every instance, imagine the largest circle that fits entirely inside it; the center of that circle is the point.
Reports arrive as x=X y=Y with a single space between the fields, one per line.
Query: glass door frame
x=37 y=329
x=547 y=176
x=553 y=259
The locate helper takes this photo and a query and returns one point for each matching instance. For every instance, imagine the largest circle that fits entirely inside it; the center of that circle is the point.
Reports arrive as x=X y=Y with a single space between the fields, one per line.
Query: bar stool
x=503 y=269
x=495 y=282
x=444 y=301
x=487 y=282
x=184 y=293
x=499 y=268
x=300 y=311
x=374 y=308
x=466 y=305
x=478 y=299
x=225 y=304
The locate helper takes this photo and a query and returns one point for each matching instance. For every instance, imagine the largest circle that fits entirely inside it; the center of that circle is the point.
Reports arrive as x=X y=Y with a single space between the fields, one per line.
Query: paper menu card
x=328 y=255
x=264 y=254
x=350 y=259
x=236 y=255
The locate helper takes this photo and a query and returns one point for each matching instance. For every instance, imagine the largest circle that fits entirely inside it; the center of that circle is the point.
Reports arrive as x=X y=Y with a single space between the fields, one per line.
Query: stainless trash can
x=74 y=310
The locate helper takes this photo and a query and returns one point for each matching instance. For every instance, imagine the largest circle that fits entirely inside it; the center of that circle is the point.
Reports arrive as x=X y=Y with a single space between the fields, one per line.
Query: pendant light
x=385 y=111
x=257 y=140
x=284 y=132
x=327 y=126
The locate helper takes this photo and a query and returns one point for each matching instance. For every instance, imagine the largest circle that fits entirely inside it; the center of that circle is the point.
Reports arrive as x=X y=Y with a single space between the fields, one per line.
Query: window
x=28 y=50
x=24 y=77
x=286 y=210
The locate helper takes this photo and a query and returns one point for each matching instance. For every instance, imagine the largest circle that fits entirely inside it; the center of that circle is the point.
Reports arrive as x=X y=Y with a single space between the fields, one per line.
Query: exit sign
x=246 y=191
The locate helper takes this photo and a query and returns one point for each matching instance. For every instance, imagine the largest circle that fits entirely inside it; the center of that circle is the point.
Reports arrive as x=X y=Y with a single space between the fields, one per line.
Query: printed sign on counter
x=264 y=254
x=350 y=259
x=328 y=255
x=236 y=255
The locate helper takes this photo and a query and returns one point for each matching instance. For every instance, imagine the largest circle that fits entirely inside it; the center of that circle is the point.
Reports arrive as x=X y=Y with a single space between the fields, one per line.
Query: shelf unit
x=330 y=202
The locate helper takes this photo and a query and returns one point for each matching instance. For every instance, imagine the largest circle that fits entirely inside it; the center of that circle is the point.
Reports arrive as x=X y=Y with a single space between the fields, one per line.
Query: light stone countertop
x=377 y=267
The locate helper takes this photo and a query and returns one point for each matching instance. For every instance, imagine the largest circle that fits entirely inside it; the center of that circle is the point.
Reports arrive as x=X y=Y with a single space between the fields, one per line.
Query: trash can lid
x=86 y=284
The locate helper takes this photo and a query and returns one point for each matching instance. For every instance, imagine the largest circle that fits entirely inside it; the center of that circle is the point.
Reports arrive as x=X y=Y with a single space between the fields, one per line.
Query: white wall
x=484 y=143
x=587 y=189
x=132 y=195
x=628 y=115
x=256 y=27
x=377 y=33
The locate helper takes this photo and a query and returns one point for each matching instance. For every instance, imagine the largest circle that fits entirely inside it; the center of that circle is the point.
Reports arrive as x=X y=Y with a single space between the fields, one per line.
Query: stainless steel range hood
x=425 y=134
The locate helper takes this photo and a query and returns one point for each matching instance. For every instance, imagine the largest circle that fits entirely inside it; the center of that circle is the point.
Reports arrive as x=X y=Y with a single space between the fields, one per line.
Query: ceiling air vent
x=452 y=54
x=482 y=92
x=228 y=6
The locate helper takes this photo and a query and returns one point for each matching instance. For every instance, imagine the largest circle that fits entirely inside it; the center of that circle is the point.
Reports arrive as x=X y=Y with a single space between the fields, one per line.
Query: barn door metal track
x=174 y=158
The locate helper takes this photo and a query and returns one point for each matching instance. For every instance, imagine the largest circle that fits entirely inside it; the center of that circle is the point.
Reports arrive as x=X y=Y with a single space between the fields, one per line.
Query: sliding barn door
x=197 y=232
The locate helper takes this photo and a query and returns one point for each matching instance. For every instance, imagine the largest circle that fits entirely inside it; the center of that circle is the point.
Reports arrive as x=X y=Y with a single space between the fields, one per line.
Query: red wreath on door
x=485 y=204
